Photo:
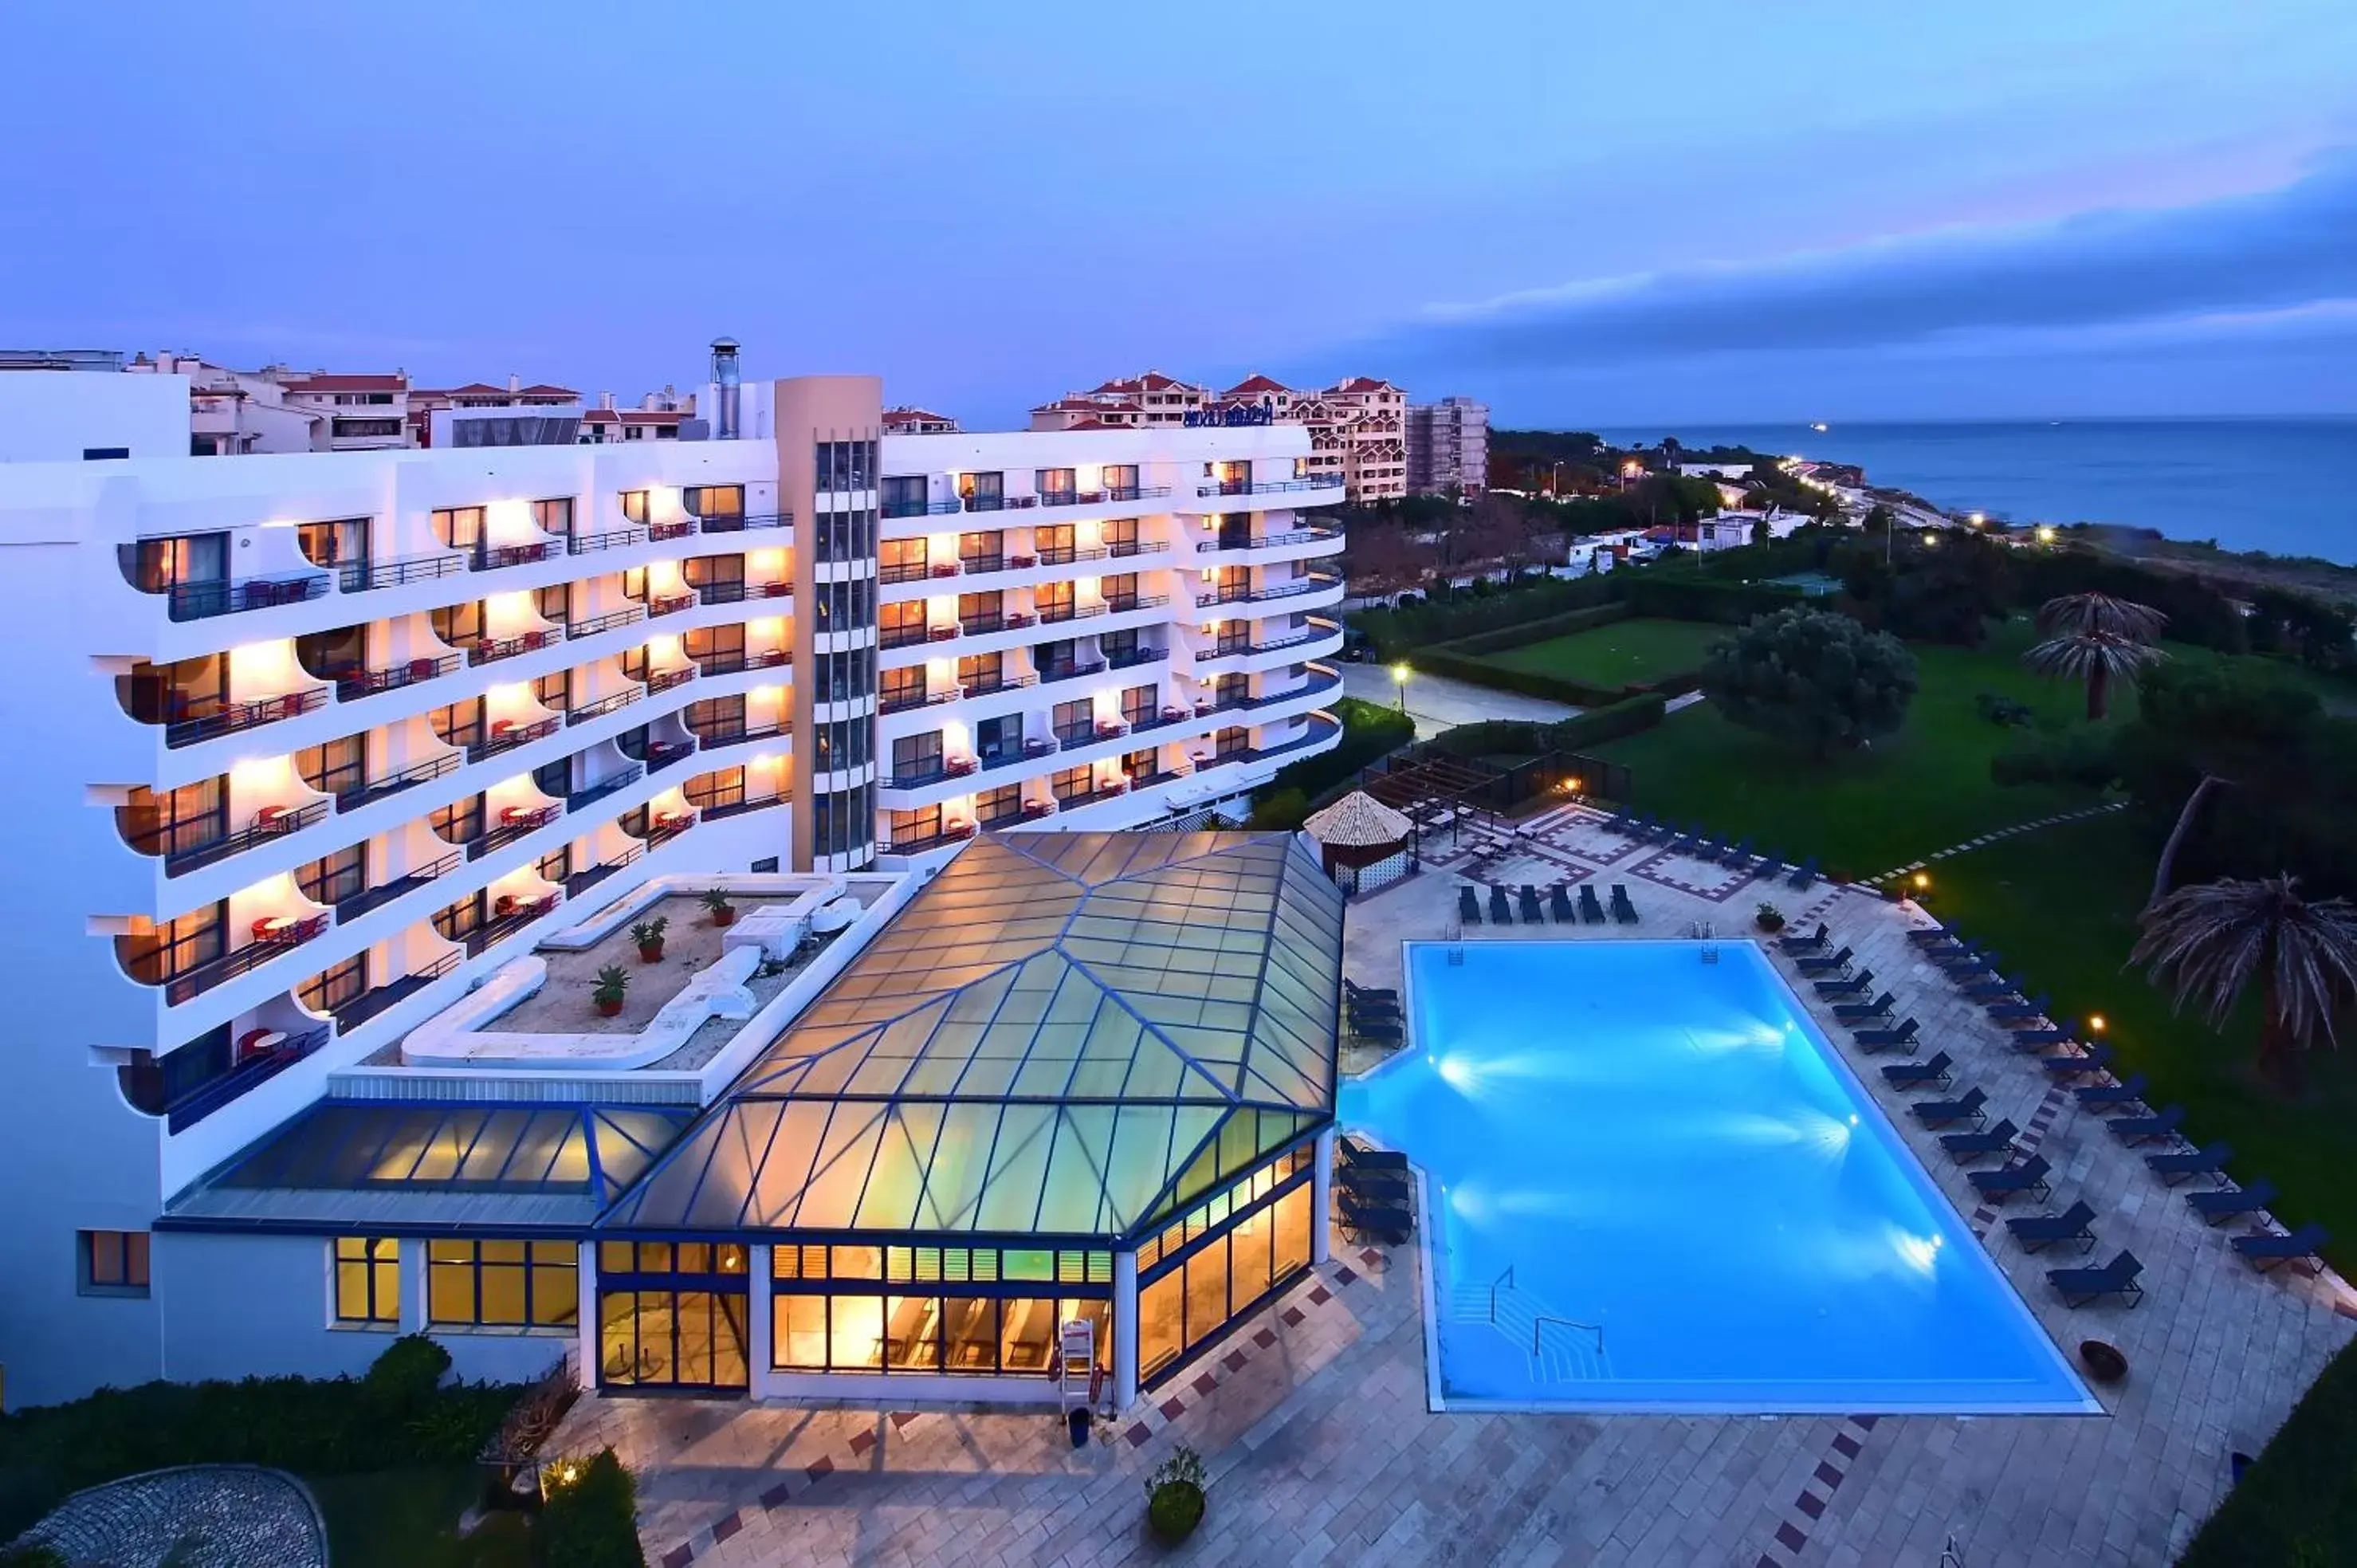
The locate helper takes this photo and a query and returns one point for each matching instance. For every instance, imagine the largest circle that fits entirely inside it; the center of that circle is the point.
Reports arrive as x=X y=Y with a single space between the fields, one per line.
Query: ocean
x=2284 y=486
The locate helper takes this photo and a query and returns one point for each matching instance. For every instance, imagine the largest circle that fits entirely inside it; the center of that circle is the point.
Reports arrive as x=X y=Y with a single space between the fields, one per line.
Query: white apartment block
x=1357 y=426
x=1448 y=447
x=325 y=740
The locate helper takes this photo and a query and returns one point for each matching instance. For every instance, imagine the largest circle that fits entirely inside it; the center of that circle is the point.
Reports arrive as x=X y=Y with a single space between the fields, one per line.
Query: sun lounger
x=1849 y=985
x=1682 y=844
x=2143 y=1129
x=1559 y=908
x=2118 y=1277
x=2180 y=1165
x=1389 y=1034
x=1371 y=993
x=1468 y=907
x=1358 y=1153
x=2011 y=1012
x=1995 y=988
x=2064 y=1069
x=1994 y=1140
x=2022 y=1177
x=1623 y=911
x=2035 y=1039
x=1501 y=908
x=1383 y=1222
x=1836 y=962
x=1967 y=1107
x=1872 y=1040
x=1591 y=908
x=2264 y=1252
x=1965 y=960
x=1879 y=1008
x=1533 y=913
x=2120 y=1096
x=1805 y=878
x=1926 y=936
x=1916 y=1075
x=2075 y=1223
x=1739 y=855
x=2233 y=1202
x=1814 y=942
x=1368 y=1185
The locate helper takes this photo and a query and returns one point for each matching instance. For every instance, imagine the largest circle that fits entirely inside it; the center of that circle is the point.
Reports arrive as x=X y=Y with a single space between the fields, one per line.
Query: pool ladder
x=1705 y=932
x=1578 y=1346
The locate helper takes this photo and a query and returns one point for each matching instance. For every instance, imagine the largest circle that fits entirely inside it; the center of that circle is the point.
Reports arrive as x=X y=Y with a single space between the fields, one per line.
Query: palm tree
x=2216 y=938
x=2096 y=638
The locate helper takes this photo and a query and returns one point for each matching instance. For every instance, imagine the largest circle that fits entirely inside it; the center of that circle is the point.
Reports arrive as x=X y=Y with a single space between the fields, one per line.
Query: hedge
x=1696 y=598
x=1598 y=725
x=1540 y=630
x=1512 y=737
x=1395 y=632
x=1529 y=683
x=1370 y=730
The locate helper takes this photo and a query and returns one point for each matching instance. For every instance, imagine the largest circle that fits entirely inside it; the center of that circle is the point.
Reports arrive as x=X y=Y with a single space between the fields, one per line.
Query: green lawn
x=1621 y=654
x=1922 y=789
x=408 y=1519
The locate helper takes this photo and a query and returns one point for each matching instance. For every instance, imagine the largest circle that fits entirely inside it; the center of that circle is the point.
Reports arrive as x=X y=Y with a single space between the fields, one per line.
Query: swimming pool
x=1650 y=1185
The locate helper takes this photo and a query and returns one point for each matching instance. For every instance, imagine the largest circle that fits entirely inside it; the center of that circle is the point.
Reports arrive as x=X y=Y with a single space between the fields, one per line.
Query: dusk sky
x=1588 y=214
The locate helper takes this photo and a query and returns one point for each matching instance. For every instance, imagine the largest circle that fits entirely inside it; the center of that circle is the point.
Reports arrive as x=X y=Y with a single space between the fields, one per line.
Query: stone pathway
x=1313 y=1424
x=201 y=1516
x=2014 y=832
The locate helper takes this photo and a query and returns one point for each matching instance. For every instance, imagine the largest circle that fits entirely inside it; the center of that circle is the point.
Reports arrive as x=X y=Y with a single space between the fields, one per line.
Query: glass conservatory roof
x=1069 y=1034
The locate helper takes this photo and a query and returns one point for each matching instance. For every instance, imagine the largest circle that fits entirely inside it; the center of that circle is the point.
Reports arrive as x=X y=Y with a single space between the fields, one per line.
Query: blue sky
x=1588 y=214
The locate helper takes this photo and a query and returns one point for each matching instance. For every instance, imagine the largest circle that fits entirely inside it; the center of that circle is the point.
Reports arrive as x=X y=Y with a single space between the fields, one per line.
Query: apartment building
x=1448 y=447
x=906 y=421
x=1150 y=401
x=335 y=741
x=1357 y=427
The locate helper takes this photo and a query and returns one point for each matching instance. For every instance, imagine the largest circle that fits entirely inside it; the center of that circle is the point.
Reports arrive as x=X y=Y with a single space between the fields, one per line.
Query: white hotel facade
x=309 y=744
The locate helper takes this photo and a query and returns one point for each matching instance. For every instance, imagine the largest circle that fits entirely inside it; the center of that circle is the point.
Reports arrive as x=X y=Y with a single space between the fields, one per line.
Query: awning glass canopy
x=1068 y=1034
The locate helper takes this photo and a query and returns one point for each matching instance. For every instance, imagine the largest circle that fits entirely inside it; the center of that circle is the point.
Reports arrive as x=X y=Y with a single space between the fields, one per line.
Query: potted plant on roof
x=613 y=984
x=1769 y=919
x=723 y=913
x=649 y=935
x=1174 y=1496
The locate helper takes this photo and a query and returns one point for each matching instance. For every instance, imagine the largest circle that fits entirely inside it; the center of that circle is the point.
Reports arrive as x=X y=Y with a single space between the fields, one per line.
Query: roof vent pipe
x=725 y=376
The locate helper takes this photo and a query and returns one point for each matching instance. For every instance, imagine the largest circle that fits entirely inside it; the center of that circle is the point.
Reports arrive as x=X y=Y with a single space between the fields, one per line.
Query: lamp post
x=1399 y=685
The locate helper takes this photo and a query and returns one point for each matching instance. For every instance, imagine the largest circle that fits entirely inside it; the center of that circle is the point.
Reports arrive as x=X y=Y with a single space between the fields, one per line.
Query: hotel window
x=177 y=945
x=1222 y=1259
x=843 y=677
x=334 y=767
x=503 y=1284
x=333 y=655
x=725 y=575
x=1140 y=704
x=1053 y=601
x=333 y=543
x=1120 y=535
x=1120 y=592
x=368 y=1281
x=553 y=516
x=981 y=552
x=169 y=693
x=719 y=648
x=982 y=672
x=457 y=922
x=717 y=790
x=459 y=625
x=556 y=866
x=459 y=527
x=1139 y=765
x=981 y=612
x=901 y=624
x=1119 y=648
x=1076 y=721
x=914 y=828
x=903 y=561
x=845 y=465
x=1120 y=481
x=904 y=495
x=903 y=688
x=715 y=500
x=460 y=821
x=461 y=723
x=111 y=1262
x=844 y=822
x=160 y=565
x=1052 y=543
x=916 y=757
x=175 y=821
x=1055 y=485
x=716 y=717
x=1069 y=782
x=334 y=878
x=555 y=603
x=634 y=507
x=1002 y=804
x=554 y=691
x=333 y=989
x=982 y=492
x=840 y=746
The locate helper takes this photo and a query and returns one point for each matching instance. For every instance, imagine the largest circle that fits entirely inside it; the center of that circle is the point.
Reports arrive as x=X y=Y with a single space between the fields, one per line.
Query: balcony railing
x=1129 y=604
x=918 y=844
x=1096 y=498
x=1128 y=658
x=514 y=823
x=663 y=833
x=997 y=683
x=1056 y=615
x=907 y=636
x=1322 y=729
x=996 y=620
x=1000 y=503
x=910 y=572
x=202 y=601
x=605 y=786
x=1270 y=541
x=626 y=616
x=612 y=539
x=613 y=704
x=1073 y=671
x=376 y=998
x=1292 y=588
x=193 y=983
x=745 y=522
x=1121 y=548
x=271 y=824
x=360 y=576
x=738 y=662
x=662 y=754
x=736 y=593
x=392 y=677
x=982 y=565
x=670 y=604
x=1269 y=487
x=905 y=702
x=922 y=509
x=580 y=881
x=664 y=680
x=260 y=1067
x=1090 y=797
x=359 y=904
x=409 y=778
x=232 y=717
x=491 y=650
x=678 y=528
x=500 y=927
x=491 y=557
x=741 y=735
x=734 y=807
x=514 y=735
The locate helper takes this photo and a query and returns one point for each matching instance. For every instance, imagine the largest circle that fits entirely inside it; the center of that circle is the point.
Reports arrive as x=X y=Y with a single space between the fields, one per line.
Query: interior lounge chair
x=2180 y=1165
x=2113 y=1096
x=1591 y=908
x=1533 y=913
x=1623 y=911
x=1850 y=985
x=2144 y=1129
x=1870 y=1040
x=2225 y=1203
x=2118 y=1277
x=1384 y=1223
x=2076 y=1223
x=2018 y=1012
x=1501 y=908
x=1967 y=1107
x=1814 y=942
x=2079 y=1064
x=1994 y=1139
x=1805 y=878
x=1835 y=962
x=2264 y=1250
x=1468 y=907
x=1559 y=908
x=1358 y=1153
x=2021 y=1177
x=1917 y=1075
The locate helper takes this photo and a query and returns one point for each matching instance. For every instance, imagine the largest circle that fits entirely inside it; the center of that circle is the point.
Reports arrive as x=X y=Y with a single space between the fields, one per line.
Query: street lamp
x=1399 y=685
x=2046 y=535
x=1979 y=519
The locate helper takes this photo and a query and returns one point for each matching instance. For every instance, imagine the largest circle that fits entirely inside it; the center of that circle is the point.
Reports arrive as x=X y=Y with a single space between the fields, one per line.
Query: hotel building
x=348 y=753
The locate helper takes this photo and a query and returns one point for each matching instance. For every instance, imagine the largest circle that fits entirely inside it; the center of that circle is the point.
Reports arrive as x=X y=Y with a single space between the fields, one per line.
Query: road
x=1438 y=703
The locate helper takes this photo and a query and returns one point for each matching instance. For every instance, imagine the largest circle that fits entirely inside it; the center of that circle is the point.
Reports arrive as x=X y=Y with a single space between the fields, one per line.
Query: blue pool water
x=1701 y=1208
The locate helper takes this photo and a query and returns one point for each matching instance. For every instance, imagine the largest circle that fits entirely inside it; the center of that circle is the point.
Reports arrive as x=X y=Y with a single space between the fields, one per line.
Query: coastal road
x=1438 y=703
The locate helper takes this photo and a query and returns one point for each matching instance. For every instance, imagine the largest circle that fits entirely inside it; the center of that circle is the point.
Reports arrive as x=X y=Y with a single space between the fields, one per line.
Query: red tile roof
x=325 y=383
x=1363 y=384
x=634 y=416
x=542 y=388
x=911 y=416
x=1254 y=384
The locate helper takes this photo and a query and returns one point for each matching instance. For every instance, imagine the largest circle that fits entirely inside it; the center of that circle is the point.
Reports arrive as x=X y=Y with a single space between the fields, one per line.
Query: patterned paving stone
x=202 y=1516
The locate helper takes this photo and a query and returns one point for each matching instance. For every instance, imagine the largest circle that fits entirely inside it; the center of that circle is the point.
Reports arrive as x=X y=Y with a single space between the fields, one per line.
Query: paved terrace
x=1312 y=1419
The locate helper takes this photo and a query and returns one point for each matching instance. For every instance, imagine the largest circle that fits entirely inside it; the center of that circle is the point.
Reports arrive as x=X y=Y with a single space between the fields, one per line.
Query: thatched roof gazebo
x=1358 y=830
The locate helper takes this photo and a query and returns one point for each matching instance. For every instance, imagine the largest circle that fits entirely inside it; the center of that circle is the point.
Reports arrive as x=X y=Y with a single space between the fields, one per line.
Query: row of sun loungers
x=1699 y=845
x=1372 y=1194
x=1557 y=906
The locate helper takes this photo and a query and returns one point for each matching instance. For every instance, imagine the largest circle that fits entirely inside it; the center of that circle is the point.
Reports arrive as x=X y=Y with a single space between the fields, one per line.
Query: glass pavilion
x=1079 y=1077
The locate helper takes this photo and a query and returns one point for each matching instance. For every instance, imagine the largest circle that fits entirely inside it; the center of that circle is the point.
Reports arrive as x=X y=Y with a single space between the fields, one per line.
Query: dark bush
x=1281 y=808
x=1369 y=731
x=592 y=1520
x=1175 y=1510
x=1626 y=717
x=1682 y=597
x=2080 y=758
x=1521 y=737
x=1539 y=631
x=405 y=1377
x=1397 y=633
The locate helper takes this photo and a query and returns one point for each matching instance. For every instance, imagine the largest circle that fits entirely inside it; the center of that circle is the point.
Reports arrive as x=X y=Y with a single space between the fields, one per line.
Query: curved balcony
x=491 y=557
x=199 y=722
x=361 y=684
x=628 y=615
x=362 y=575
x=267 y=938
x=506 y=734
x=392 y=784
x=515 y=823
x=611 y=539
x=270 y=824
x=383 y=892
x=255 y=1065
x=492 y=649
x=1268 y=487
x=1270 y=541
x=219 y=597
x=612 y=704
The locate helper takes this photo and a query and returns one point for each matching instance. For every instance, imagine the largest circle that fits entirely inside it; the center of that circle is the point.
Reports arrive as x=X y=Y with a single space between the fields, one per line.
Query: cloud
x=2259 y=254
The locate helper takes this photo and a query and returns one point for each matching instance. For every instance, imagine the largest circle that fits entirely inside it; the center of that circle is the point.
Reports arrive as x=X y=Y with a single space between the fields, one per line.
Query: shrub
x=1370 y=730
x=1174 y=1494
x=2080 y=758
x=2000 y=710
x=1399 y=631
x=1284 y=809
x=1613 y=722
x=591 y=1521
x=1812 y=679
x=405 y=1376
x=1564 y=624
